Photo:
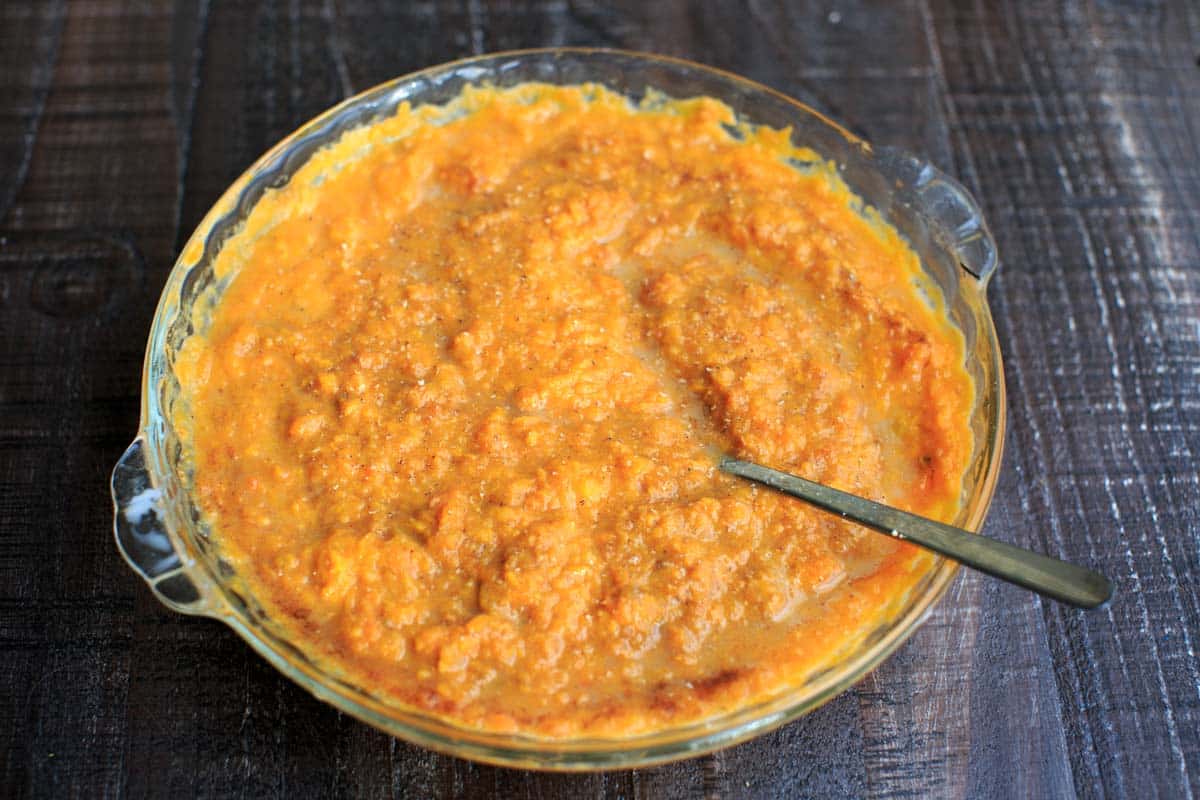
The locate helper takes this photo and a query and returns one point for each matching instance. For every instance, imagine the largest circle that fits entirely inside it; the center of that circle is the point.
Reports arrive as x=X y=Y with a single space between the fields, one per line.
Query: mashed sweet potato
x=456 y=418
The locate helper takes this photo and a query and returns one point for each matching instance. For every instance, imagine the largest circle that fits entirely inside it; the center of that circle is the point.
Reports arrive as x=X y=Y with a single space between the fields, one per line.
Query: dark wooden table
x=1077 y=125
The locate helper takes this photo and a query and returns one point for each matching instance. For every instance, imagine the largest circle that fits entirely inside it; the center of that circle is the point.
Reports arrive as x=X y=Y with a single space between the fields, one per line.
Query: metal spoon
x=1047 y=576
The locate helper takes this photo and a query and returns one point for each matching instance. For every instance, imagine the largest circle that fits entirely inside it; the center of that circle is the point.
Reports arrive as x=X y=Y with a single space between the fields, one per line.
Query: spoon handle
x=1065 y=582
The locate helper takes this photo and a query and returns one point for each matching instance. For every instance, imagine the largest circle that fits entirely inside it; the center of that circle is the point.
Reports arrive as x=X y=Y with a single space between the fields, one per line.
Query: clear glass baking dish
x=161 y=533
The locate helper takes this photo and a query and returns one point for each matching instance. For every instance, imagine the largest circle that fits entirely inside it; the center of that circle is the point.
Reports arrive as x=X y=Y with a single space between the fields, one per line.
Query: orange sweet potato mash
x=457 y=417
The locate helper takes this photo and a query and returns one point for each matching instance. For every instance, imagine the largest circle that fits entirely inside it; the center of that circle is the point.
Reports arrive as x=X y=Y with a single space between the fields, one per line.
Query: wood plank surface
x=1077 y=126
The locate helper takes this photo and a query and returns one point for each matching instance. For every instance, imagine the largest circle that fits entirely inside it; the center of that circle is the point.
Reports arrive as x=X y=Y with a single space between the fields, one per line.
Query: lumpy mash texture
x=457 y=417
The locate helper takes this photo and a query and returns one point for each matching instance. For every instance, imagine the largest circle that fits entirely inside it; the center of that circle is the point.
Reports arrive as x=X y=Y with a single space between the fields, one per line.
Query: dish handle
x=139 y=525
x=949 y=206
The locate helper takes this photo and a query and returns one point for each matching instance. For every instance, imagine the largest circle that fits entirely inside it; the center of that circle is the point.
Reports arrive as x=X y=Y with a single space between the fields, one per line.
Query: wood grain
x=1076 y=125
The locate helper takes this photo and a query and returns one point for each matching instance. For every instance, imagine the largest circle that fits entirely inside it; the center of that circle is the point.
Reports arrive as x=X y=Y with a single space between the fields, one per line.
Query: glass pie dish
x=163 y=534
